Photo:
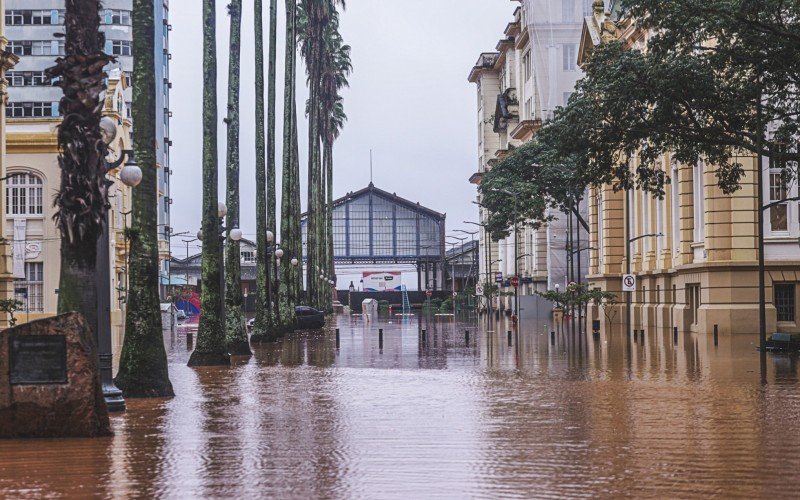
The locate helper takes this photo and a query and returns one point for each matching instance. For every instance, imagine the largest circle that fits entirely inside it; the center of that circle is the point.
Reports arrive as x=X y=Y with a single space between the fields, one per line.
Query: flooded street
x=535 y=418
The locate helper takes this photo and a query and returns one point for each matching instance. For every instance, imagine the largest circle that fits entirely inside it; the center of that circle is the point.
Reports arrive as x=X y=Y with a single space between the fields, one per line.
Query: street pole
x=762 y=293
x=111 y=393
x=628 y=259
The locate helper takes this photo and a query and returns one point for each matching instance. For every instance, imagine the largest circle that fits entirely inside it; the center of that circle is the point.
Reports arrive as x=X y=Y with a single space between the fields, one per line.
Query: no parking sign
x=629 y=283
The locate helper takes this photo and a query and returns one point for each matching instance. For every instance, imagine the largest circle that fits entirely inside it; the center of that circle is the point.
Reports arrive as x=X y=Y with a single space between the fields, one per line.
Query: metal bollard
x=189 y=341
x=380 y=338
x=424 y=335
x=509 y=338
x=675 y=335
x=337 y=338
x=716 y=335
x=552 y=337
x=642 y=337
x=466 y=337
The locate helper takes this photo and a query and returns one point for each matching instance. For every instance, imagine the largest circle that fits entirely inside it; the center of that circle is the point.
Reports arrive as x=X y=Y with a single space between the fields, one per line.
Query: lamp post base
x=112 y=395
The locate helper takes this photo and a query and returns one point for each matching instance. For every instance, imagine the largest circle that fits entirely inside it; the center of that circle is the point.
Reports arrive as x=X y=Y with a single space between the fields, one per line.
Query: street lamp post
x=130 y=175
x=235 y=235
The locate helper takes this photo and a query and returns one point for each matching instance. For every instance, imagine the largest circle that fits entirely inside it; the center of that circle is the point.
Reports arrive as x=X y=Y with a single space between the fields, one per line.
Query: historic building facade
x=532 y=72
x=695 y=250
x=34 y=176
x=32 y=25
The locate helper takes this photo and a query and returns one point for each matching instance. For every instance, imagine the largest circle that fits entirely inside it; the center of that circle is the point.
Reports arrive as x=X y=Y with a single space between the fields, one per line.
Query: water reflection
x=444 y=408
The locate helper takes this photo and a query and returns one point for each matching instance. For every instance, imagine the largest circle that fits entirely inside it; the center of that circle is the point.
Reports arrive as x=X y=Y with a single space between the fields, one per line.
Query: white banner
x=18 y=249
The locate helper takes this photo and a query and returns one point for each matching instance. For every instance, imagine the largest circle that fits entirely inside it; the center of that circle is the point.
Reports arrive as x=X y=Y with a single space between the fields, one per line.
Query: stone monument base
x=50 y=381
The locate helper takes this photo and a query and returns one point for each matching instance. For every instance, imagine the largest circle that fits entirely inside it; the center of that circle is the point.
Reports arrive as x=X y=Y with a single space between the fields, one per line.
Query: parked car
x=180 y=315
x=308 y=318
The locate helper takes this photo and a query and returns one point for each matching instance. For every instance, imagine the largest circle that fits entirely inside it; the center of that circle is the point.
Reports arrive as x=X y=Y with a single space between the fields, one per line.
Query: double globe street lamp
x=131 y=176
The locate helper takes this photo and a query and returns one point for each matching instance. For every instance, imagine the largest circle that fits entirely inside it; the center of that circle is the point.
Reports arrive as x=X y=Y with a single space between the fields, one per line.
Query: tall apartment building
x=31 y=28
x=532 y=72
x=695 y=254
x=7 y=63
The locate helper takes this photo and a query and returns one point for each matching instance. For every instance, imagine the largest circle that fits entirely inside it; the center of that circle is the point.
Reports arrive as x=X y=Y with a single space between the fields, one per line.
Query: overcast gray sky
x=409 y=101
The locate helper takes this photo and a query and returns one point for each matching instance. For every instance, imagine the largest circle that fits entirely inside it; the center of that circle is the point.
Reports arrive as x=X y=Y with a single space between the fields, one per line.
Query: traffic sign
x=498 y=277
x=629 y=283
x=429 y=293
x=515 y=281
x=455 y=294
x=479 y=290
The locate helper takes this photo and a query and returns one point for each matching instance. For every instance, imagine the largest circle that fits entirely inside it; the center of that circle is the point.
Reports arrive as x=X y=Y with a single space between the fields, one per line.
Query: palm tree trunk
x=143 y=368
x=83 y=197
x=314 y=268
x=290 y=230
x=210 y=349
x=264 y=326
x=272 y=202
x=236 y=330
x=329 y=215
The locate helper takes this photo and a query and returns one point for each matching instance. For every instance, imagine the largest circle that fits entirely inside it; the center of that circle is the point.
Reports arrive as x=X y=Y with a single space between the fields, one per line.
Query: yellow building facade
x=695 y=250
x=34 y=240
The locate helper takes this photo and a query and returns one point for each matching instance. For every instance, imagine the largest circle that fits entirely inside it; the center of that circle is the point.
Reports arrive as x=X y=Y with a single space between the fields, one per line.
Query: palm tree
x=210 y=349
x=272 y=202
x=82 y=200
x=236 y=330
x=264 y=325
x=143 y=370
x=335 y=68
x=289 y=287
x=316 y=16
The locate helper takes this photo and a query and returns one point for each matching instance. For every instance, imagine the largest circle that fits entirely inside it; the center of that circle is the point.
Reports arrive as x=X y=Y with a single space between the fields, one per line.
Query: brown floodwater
x=567 y=417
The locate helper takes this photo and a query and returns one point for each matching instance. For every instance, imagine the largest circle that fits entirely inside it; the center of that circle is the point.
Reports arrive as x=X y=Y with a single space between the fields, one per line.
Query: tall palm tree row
x=291 y=237
x=143 y=368
x=264 y=325
x=272 y=202
x=210 y=348
x=316 y=16
x=236 y=330
x=82 y=200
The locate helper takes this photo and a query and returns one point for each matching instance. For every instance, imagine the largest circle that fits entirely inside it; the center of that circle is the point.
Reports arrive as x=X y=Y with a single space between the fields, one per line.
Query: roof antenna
x=370 y=167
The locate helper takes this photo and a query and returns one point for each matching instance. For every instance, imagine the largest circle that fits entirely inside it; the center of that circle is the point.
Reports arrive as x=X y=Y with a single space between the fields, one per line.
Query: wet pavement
x=533 y=417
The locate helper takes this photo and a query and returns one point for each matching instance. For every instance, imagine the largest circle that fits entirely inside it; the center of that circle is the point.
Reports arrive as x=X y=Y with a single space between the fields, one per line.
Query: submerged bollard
x=716 y=335
x=509 y=338
x=380 y=338
x=337 y=338
x=424 y=335
x=466 y=337
x=553 y=337
x=642 y=337
x=675 y=335
x=189 y=341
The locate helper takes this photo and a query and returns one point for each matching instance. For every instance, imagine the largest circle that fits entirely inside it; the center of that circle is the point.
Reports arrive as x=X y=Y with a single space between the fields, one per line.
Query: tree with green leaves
x=236 y=329
x=82 y=199
x=264 y=327
x=211 y=348
x=143 y=367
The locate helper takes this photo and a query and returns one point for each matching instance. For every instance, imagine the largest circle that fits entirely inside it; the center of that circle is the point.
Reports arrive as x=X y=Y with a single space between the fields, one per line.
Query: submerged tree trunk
x=264 y=325
x=272 y=201
x=143 y=368
x=315 y=266
x=82 y=200
x=211 y=349
x=236 y=329
x=329 y=219
x=290 y=185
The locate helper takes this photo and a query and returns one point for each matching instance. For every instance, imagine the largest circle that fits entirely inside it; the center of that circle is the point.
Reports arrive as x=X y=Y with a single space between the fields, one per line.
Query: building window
x=248 y=257
x=119 y=47
x=599 y=209
x=785 y=301
x=30 y=290
x=699 y=202
x=34 y=17
x=24 y=195
x=569 y=52
x=30 y=79
x=32 y=109
x=526 y=65
x=568 y=11
x=778 y=216
x=117 y=17
x=645 y=223
x=676 y=210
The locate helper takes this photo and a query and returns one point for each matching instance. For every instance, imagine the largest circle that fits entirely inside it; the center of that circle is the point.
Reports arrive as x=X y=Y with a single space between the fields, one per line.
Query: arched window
x=24 y=195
